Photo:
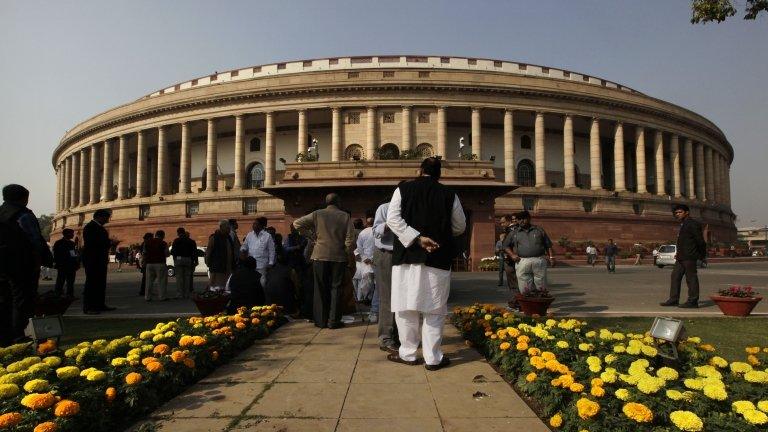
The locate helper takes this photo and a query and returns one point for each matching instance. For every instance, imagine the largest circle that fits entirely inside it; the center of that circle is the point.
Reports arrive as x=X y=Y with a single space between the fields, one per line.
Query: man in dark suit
x=66 y=261
x=96 y=246
x=690 y=248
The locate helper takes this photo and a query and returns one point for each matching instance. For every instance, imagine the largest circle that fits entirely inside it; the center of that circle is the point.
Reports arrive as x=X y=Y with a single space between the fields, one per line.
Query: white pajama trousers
x=431 y=335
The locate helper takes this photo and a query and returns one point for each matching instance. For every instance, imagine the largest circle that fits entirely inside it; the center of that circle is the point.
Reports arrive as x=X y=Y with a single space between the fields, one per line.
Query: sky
x=62 y=62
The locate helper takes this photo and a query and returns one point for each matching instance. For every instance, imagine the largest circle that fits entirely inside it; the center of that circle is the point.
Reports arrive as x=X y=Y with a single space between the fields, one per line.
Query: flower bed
x=489 y=264
x=105 y=385
x=583 y=379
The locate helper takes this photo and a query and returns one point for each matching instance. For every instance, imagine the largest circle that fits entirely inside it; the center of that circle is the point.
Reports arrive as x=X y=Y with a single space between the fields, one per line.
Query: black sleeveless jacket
x=426 y=205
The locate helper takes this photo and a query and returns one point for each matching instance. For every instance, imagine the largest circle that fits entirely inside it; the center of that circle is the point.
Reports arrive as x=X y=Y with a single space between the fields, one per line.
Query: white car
x=200 y=269
x=666 y=255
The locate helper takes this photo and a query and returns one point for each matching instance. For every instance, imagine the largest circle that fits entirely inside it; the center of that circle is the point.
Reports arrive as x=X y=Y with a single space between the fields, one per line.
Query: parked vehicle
x=200 y=269
x=666 y=255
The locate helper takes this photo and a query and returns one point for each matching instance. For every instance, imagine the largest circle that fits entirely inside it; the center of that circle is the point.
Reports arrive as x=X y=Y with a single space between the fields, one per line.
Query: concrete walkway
x=305 y=379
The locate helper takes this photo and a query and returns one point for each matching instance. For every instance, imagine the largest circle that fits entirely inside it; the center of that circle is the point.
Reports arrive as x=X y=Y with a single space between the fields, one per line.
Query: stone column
x=716 y=176
x=442 y=133
x=85 y=170
x=406 y=140
x=66 y=191
x=336 y=149
x=477 y=133
x=370 y=134
x=658 y=151
x=141 y=164
x=163 y=167
x=727 y=183
x=269 y=158
x=688 y=161
x=708 y=174
x=540 y=151
x=93 y=187
x=595 y=163
x=107 y=176
x=76 y=179
x=640 y=157
x=185 y=165
x=674 y=153
x=211 y=159
x=240 y=151
x=509 y=147
x=303 y=132
x=57 y=171
x=122 y=168
x=568 y=153
x=701 y=182
x=619 y=181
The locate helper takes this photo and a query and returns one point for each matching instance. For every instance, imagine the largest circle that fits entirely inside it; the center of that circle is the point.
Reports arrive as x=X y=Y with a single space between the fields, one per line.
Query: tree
x=704 y=11
x=46 y=225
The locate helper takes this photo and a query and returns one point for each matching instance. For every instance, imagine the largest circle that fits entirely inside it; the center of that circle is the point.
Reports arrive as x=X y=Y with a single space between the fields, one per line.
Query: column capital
x=476 y=109
x=567 y=115
x=595 y=119
x=407 y=107
x=370 y=107
x=336 y=109
x=240 y=116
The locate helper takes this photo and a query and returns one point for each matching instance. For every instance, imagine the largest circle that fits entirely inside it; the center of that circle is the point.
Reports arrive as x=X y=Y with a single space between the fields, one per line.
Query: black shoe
x=443 y=363
x=91 y=312
x=390 y=349
x=336 y=325
x=396 y=358
x=106 y=308
x=668 y=303
x=687 y=305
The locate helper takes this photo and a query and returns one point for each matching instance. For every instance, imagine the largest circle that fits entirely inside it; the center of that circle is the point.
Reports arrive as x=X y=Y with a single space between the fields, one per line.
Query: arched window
x=525 y=142
x=255 y=177
x=389 y=151
x=353 y=152
x=526 y=175
x=425 y=150
x=255 y=144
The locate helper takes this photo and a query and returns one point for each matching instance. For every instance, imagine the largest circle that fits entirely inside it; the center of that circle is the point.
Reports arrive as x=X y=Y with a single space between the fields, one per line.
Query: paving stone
x=188 y=424
x=263 y=371
x=301 y=400
x=494 y=424
x=211 y=400
x=386 y=401
x=270 y=352
x=285 y=425
x=339 y=351
x=458 y=400
x=372 y=352
x=390 y=425
x=464 y=368
x=303 y=370
x=383 y=371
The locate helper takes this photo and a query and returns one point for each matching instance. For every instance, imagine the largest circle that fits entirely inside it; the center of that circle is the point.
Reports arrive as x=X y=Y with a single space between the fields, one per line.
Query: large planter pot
x=211 y=306
x=52 y=305
x=736 y=306
x=534 y=305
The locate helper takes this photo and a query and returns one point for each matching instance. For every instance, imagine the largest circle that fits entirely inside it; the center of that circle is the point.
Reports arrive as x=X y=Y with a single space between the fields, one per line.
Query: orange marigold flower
x=38 y=401
x=46 y=347
x=190 y=363
x=133 y=378
x=9 y=420
x=707 y=347
x=154 y=366
x=178 y=356
x=185 y=341
x=576 y=387
x=110 y=394
x=198 y=340
x=148 y=360
x=161 y=349
x=255 y=321
x=505 y=346
x=240 y=326
x=46 y=427
x=66 y=408
x=597 y=391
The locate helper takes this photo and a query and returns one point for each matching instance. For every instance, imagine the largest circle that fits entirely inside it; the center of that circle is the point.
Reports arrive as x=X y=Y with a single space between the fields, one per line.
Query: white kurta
x=417 y=287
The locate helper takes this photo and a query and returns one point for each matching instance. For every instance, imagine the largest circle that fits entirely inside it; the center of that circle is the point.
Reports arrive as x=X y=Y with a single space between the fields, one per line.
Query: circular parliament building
x=589 y=158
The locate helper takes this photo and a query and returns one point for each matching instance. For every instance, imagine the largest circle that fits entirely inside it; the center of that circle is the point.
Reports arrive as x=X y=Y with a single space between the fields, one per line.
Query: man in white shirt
x=260 y=245
x=425 y=216
x=363 y=280
x=591 y=254
x=382 y=271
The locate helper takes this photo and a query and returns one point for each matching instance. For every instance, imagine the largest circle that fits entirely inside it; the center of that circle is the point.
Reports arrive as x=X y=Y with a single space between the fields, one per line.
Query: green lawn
x=77 y=330
x=729 y=335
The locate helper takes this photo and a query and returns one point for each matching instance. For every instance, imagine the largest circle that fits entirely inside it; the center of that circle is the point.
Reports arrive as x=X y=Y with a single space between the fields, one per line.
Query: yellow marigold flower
x=718 y=362
x=9 y=420
x=763 y=406
x=119 y=361
x=504 y=346
x=66 y=408
x=46 y=427
x=521 y=346
x=674 y=394
x=38 y=401
x=110 y=394
x=597 y=391
x=531 y=377
x=667 y=374
x=715 y=391
x=488 y=333
x=547 y=356
x=154 y=366
x=752 y=350
x=752 y=360
x=146 y=335
x=8 y=390
x=755 y=417
x=633 y=350
x=649 y=384
x=610 y=358
x=562 y=344
x=533 y=351
x=637 y=412
x=649 y=351
x=694 y=339
x=37 y=386
x=590 y=334
x=556 y=420
x=52 y=361
x=584 y=347
x=740 y=367
x=686 y=421
x=133 y=378
x=694 y=383
x=741 y=406
x=622 y=394
x=576 y=387
x=597 y=382
x=587 y=408
x=96 y=375
x=619 y=349
x=67 y=372
x=608 y=377
x=707 y=347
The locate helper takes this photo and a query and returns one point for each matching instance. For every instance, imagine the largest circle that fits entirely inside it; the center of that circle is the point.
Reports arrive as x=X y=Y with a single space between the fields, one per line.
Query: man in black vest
x=425 y=216
x=96 y=245
x=690 y=248
x=66 y=261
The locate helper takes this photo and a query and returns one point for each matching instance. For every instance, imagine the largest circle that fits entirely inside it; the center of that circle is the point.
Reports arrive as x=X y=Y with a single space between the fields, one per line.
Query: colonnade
x=697 y=168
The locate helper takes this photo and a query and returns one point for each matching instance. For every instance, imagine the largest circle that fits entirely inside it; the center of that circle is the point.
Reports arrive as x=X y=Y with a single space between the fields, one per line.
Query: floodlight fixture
x=669 y=331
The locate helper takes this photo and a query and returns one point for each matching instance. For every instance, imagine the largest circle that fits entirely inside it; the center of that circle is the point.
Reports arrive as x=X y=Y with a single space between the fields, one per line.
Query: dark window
x=257 y=69
x=249 y=206
x=445 y=59
x=193 y=208
x=588 y=205
x=525 y=142
x=637 y=209
x=423 y=117
x=333 y=61
x=255 y=177
x=497 y=64
x=526 y=175
x=353 y=75
x=234 y=73
x=281 y=66
x=472 y=62
x=545 y=70
x=255 y=144
x=307 y=63
x=389 y=74
x=529 y=203
x=353 y=118
x=143 y=212
x=389 y=151
x=389 y=117
x=522 y=67
x=566 y=74
x=423 y=74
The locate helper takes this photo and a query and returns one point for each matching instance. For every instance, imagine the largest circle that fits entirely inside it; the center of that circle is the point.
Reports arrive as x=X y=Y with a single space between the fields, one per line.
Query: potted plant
x=737 y=300
x=534 y=301
x=212 y=301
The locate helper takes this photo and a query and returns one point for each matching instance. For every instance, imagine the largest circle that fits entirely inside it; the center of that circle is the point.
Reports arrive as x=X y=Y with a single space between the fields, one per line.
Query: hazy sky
x=63 y=61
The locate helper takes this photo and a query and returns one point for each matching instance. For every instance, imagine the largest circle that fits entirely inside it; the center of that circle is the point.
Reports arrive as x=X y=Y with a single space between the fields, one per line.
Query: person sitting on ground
x=244 y=285
x=281 y=285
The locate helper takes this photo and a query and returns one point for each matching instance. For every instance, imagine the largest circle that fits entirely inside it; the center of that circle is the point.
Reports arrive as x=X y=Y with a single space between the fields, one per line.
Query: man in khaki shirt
x=334 y=238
